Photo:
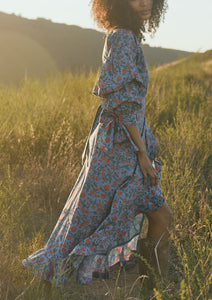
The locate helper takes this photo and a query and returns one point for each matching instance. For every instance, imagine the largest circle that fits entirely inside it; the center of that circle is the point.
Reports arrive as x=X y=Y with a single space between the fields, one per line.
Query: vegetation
x=44 y=126
x=38 y=47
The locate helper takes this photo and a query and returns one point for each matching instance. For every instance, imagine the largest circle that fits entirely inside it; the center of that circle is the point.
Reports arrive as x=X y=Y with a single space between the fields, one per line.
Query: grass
x=44 y=126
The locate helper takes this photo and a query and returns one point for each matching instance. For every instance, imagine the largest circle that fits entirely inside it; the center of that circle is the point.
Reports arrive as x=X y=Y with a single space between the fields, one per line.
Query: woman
x=100 y=225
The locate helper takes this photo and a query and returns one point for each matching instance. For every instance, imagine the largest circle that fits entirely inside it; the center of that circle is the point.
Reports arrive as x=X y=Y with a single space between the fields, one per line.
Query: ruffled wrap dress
x=102 y=218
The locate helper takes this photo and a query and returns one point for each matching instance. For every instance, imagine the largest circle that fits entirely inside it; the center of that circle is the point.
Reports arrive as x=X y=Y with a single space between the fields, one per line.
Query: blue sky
x=188 y=23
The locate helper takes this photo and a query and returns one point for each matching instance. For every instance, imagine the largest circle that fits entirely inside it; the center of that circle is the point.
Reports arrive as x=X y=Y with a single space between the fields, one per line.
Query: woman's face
x=142 y=7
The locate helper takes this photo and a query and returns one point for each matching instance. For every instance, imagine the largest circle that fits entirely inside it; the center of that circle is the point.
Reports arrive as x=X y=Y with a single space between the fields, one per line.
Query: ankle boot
x=154 y=259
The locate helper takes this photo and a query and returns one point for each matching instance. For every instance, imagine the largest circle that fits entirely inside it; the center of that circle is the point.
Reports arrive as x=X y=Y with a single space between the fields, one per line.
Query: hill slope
x=67 y=47
x=44 y=127
x=22 y=56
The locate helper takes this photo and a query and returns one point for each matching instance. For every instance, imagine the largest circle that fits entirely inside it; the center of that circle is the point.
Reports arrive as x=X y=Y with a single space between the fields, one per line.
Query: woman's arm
x=144 y=161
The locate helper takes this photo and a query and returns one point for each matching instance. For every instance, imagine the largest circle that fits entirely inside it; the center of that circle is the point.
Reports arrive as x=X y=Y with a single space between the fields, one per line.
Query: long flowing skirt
x=102 y=218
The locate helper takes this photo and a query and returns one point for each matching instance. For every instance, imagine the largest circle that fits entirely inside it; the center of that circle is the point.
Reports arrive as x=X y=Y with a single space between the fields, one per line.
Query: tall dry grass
x=44 y=126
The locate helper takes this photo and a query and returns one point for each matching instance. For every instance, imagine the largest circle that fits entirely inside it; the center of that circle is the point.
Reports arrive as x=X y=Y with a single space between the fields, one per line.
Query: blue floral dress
x=102 y=218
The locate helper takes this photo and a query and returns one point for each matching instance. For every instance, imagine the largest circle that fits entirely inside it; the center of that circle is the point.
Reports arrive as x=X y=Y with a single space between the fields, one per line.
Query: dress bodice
x=122 y=85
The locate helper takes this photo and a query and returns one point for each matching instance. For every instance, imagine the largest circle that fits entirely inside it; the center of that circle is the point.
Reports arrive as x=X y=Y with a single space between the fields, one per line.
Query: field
x=44 y=126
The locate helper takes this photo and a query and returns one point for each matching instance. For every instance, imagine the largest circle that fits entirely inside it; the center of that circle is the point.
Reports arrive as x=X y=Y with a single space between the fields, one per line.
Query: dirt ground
x=123 y=284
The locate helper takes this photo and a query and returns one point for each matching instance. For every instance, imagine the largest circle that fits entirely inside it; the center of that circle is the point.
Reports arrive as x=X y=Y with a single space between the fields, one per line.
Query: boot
x=154 y=259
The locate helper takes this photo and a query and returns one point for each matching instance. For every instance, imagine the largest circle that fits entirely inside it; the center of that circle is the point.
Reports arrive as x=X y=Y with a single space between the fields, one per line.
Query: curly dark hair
x=118 y=13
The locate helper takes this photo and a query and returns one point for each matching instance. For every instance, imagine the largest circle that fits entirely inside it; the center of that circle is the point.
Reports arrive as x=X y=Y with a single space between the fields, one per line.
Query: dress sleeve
x=126 y=112
x=120 y=84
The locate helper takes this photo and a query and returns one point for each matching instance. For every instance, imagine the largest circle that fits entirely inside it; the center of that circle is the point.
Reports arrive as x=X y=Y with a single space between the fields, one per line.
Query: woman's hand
x=144 y=161
x=147 y=168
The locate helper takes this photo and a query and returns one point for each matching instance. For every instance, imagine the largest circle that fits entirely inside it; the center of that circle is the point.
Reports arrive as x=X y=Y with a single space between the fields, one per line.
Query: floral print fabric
x=102 y=218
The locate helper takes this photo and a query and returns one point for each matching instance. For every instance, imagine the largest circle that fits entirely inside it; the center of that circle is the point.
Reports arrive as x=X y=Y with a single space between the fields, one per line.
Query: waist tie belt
x=111 y=130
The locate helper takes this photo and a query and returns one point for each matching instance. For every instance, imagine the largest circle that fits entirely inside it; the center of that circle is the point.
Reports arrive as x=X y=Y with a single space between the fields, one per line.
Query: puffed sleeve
x=127 y=113
x=120 y=84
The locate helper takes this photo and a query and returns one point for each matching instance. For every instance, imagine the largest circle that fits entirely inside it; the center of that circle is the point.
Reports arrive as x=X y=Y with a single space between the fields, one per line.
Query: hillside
x=21 y=56
x=26 y=43
x=44 y=126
